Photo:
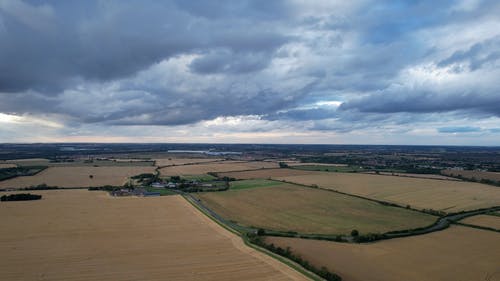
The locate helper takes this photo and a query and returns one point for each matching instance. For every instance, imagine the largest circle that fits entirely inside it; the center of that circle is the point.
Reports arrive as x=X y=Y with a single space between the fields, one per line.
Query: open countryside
x=286 y=207
x=459 y=253
x=84 y=235
x=441 y=195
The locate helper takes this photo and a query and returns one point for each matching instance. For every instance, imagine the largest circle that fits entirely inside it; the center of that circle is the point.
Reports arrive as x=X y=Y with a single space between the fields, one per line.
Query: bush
x=20 y=197
x=354 y=233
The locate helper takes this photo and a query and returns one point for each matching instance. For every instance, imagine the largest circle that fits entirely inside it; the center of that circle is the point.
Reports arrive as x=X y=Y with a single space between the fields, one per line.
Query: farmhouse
x=158 y=185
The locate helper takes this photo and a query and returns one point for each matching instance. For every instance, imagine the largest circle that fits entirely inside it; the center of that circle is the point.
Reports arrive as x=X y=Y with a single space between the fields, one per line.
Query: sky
x=329 y=72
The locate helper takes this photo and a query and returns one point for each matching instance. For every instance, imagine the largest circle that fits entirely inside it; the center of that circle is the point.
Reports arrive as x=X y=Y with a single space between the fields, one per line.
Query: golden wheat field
x=78 y=176
x=478 y=175
x=265 y=174
x=181 y=161
x=225 y=166
x=449 y=196
x=84 y=235
x=484 y=220
x=458 y=253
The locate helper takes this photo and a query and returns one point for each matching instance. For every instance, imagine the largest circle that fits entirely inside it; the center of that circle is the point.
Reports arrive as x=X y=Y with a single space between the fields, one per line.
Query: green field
x=201 y=178
x=287 y=207
x=162 y=191
x=245 y=184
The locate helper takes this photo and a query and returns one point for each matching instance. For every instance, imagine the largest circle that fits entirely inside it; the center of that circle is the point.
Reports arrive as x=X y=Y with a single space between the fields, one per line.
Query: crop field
x=411 y=175
x=79 y=162
x=293 y=164
x=329 y=168
x=458 y=253
x=287 y=207
x=244 y=184
x=7 y=165
x=484 y=220
x=181 y=161
x=478 y=175
x=215 y=167
x=78 y=176
x=83 y=235
x=448 y=196
x=265 y=174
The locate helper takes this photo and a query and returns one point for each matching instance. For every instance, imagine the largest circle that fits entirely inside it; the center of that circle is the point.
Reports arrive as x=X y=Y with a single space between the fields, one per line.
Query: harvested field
x=410 y=175
x=181 y=161
x=287 y=207
x=83 y=235
x=80 y=163
x=458 y=253
x=225 y=166
x=293 y=164
x=7 y=165
x=265 y=174
x=478 y=175
x=448 y=196
x=78 y=176
x=484 y=220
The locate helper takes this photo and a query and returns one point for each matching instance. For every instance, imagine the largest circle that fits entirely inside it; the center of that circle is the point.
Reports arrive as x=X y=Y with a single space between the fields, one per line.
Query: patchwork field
x=265 y=174
x=484 y=220
x=478 y=175
x=287 y=207
x=422 y=176
x=78 y=176
x=182 y=161
x=449 y=196
x=293 y=164
x=458 y=253
x=81 y=162
x=82 y=235
x=215 y=167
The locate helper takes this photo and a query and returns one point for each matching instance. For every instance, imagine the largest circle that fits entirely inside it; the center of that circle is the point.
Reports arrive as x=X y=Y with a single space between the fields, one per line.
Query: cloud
x=339 y=67
x=466 y=129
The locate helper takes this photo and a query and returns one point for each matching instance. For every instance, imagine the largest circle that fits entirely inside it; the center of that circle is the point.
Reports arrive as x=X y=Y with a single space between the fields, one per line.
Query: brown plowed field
x=449 y=196
x=78 y=176
x=199 y=169
x=484 y=220
x=83 y=235
x=266 y=174
x=457 y=253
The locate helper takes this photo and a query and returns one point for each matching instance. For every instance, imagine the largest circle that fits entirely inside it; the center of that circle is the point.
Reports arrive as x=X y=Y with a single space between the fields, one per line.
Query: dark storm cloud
x=180 y=62
x=109 y=40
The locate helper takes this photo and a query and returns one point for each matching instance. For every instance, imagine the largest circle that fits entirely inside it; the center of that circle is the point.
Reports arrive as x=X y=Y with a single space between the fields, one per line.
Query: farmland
x=265 y=174
x=82 y=235
x=79 y=162
x=458 y=253
x=7 y=165
x=182 y=161
x=287 y=207
x=484 y=220
x=78 y=176
x=215 y=167
x=476 y=175
x=449 y=196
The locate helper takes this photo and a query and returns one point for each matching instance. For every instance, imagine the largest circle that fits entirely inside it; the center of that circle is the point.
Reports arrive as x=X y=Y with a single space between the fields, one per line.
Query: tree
x=354 y=233
x=91 y=176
